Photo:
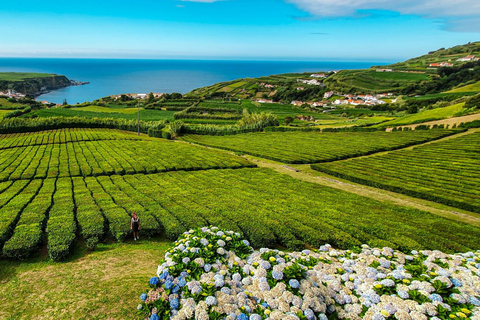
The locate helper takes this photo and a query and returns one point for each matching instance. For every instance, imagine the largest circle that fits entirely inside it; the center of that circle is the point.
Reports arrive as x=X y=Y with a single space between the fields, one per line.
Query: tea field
x=310 y=147
x=446 y=172
x=83 y=152
x=268 y=207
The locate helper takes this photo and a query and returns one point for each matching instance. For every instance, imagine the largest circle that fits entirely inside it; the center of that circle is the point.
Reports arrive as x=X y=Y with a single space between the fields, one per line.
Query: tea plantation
x=60 y=187
x=310 y=147
x=445 y=172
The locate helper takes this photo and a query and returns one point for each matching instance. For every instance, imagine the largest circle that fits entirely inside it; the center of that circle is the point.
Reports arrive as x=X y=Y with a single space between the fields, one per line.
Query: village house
x=297 y=103
x=266 y=85
x=468 y=58
x=384 y=70
x=305 y=118
x=318 y=75
x=300 y=88
x=328 y=94
x=441 y=64
x=313 y=82
x=264 y=101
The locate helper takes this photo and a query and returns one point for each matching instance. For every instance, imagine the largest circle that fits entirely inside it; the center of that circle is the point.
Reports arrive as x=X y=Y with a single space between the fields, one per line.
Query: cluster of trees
x=448 y=78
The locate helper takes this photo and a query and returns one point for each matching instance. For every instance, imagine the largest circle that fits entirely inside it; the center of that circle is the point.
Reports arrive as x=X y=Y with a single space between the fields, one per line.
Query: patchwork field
x=428 y=115
x=445 y=172
x=310 y=147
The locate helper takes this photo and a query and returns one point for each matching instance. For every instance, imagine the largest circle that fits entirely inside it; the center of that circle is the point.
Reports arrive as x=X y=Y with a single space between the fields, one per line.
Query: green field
x=3 y=113
x=445 y=172
x=474 y=87
x=20 y=76
x=310 y=147
x=102 y=112
x=371 y=81
x=427 y=115
x=108 y=110
x=8 y=105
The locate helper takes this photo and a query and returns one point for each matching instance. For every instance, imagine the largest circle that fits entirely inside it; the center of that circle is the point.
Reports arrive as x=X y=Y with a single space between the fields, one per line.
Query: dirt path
x=450 y=121
x=305 y=173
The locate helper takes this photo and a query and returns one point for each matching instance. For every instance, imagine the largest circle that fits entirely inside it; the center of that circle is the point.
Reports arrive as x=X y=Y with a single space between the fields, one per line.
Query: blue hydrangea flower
x=211 y=301
x=435 y=297
x=309 y=314
x=174 y=304
x=143 y=296
x=182 y=282
x=255 y=316
x=154 y=281
x=207 y=267
x=387 y=282
x=403 y=294
x=226 y=290
x=385 y=264
x=475 y=301
x=163 y=275
x=196 y=290
x=277 y=275
x=245 y=242
x=154 y=317
x=186 y=260
x=175 y=289
x=184 y=274
x=236 y=277
x=265 y=305
x=322 y=316
x=457 y=283
x=168 y=284
x=294 y=283
x=242 y=316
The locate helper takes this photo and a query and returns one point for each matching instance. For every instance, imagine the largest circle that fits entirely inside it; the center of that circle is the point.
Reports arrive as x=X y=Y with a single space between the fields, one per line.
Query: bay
x=116 y=76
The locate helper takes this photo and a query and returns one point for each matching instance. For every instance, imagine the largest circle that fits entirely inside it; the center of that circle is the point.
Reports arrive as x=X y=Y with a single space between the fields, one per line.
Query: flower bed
x=215 y=274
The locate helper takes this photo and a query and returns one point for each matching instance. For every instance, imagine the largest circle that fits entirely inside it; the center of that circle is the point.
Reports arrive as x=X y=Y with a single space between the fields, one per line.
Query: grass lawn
x=145 y=115
x=5 y=104
x=475 y=87
x=428 y=115
x=20 y=76
x=108 y=110
x=103 y=284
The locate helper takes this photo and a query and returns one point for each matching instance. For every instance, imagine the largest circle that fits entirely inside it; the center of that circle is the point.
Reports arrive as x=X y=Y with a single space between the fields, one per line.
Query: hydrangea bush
x=215 y=274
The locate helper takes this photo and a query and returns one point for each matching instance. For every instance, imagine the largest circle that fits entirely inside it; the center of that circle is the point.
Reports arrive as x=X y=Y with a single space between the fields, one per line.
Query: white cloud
x=456 y=13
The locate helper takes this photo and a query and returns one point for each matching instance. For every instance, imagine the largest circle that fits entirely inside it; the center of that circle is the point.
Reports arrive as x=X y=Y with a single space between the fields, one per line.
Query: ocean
x=116 y=76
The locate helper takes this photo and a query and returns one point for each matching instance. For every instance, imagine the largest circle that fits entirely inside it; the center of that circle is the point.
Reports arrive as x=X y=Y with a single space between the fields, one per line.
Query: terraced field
x=310 y=147
x=96 y=152
x=446 y=172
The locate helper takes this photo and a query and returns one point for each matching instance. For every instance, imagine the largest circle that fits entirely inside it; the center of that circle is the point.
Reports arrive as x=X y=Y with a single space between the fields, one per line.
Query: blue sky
x=372 y=30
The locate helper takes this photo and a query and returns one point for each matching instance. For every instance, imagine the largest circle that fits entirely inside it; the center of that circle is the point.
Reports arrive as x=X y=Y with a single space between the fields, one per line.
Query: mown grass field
x=95 y=285
x=20 y=76
x=3 y=112
x=108 y=110
x=8 y=105
x=474 y=87
x=310 y=147
x=427 y=115
x=444 y=172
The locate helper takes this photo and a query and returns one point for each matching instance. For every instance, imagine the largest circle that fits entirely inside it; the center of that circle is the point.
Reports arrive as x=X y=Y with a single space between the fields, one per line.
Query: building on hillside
x=328 y=94
x=297 y=103
x=264 y=101
x=300 y=88
x=441 y=64
x=384 y=70
x=318 y=75
x=468 y=58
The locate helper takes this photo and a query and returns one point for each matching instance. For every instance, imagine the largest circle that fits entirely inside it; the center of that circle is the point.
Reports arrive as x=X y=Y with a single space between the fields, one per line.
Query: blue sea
x=116 y=76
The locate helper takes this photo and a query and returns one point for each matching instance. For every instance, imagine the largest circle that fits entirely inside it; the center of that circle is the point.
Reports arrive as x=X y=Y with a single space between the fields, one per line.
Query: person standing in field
x=135 y=226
